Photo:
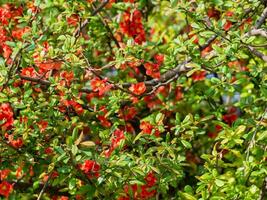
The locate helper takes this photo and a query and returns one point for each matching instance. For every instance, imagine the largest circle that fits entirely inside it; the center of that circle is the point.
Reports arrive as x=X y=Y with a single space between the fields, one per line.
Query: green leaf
x=187 y=196
x=72 y=183
x=219 y=182
x=186 y=144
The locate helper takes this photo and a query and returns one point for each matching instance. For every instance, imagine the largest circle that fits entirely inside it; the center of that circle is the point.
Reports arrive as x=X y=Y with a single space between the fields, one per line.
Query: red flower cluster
x=5 y=188
x=16 y=143
x=118 y=135
x=138 y=88
x=141 y=192
x=133 y=27
x=48 y=64
x=100 y=86
x=19 y=32
x=147 y=128
x=152 y=69
x=6 y=116
x=91 y=168
x=67 y=77
x=8 y=12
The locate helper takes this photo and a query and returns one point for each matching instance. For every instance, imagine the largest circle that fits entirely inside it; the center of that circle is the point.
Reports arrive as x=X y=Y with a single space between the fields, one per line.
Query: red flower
x=76 y=106
x=118 y=135
x=17 y=143
x=199 y=75
x=230 y=118
x=5 y=189
x=67 y=77
x=48 y=150
x=195 y=41
x=128 y=113
x=103 y=118
x=28 y=71
x=42 y=125
x=206 y=51
x=133 y=27
x=141 y=192
x=229 y=14
x=73 y=20
x=19 y=32
x=6 y=116
x=100 y=86
x=91 y=168
x=19 y=172
x=228 y=24
x=4 y=174
x=152 y=69
x=5 y=15
x=150 y=179
x=147 y=128
x=138 y=88
x=7 y=51
x=178 y=93
x=159 y=58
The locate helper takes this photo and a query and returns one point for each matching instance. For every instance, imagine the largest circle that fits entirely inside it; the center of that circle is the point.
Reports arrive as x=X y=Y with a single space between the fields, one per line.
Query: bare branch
x=262 y=19
x=44 y=186
x=257 y=53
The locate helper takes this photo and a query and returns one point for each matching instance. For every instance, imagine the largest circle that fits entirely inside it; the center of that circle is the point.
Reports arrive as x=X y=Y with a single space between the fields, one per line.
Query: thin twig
x=252 y=141
x=84 y=24
x=44 y=186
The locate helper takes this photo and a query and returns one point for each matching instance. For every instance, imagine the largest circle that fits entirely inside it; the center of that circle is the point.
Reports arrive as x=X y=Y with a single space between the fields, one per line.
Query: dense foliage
x=127 y=99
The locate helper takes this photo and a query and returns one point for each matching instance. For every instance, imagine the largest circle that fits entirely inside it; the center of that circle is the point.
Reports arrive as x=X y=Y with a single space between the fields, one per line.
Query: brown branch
x=84 y=24
x=104 y=22
x=257 y=53
x=262 y=19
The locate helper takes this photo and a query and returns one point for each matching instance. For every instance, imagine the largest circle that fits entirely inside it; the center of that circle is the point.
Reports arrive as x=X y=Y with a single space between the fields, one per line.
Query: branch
x=257 y=53
x=104 y=22
x=44 y=186
x=84 y=24
x=262 y=19
x=260 y=32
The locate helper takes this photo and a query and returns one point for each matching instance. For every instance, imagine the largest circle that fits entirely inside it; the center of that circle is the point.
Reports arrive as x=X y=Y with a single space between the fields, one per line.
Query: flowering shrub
x=128 y=99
